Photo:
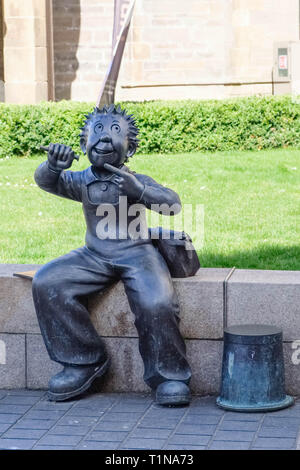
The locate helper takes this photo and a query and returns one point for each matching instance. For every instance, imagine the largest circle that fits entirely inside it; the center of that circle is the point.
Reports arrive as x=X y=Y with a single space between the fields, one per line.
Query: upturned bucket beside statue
x=253 y=369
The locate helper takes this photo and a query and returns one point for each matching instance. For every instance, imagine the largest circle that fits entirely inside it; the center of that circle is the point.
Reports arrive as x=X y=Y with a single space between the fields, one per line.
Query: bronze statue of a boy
x=109 y=137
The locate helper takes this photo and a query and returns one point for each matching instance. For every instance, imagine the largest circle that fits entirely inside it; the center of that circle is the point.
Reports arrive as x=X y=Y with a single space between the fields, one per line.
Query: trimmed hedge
x=165 y=126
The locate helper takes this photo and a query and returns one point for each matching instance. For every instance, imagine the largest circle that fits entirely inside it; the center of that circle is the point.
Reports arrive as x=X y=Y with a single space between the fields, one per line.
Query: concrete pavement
x=127 y=421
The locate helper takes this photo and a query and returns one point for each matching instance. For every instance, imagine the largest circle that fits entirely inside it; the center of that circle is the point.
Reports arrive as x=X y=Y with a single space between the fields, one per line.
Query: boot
x=73 y=380
x=173 y=393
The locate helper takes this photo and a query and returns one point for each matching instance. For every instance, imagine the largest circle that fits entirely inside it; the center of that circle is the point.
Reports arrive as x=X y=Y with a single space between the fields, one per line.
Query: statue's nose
x=105 y=137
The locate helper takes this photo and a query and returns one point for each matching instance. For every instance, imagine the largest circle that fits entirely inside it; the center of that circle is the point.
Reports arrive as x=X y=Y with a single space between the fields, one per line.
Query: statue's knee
x=162 y=306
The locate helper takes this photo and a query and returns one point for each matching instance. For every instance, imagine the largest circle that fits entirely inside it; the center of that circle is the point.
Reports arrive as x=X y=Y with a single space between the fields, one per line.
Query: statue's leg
x=154 y=303
x=59 y=292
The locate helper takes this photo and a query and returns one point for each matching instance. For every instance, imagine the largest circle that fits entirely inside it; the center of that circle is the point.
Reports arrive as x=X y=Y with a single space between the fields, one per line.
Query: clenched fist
x=60 y=157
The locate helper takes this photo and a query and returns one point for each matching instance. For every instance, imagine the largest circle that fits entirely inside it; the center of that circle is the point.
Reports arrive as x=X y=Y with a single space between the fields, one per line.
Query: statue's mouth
x=103 y=151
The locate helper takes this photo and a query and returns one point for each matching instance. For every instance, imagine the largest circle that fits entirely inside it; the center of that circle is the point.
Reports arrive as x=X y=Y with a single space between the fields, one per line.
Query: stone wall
x=1 y=44
x=82 y=46
x=175 y=49
x=208 y=42
x=208 y=302
x=2 y=97
x=25 y=51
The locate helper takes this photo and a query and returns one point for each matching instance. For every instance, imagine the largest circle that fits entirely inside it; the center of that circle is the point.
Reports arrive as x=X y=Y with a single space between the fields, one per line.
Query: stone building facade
x=176 y=49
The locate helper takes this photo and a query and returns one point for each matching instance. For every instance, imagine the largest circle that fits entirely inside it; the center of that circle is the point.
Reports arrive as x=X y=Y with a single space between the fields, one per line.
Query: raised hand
x=60 y=156
x=128 y=183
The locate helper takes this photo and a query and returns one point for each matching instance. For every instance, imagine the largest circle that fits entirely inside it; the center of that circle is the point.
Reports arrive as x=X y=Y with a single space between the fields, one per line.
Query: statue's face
x=108 y=141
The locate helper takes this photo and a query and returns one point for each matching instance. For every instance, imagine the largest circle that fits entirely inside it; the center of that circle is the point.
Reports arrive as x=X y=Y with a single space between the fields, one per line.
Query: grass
x=251 y=206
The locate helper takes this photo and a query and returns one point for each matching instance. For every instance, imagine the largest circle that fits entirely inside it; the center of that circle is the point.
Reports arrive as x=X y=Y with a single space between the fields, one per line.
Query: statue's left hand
x=128 y=183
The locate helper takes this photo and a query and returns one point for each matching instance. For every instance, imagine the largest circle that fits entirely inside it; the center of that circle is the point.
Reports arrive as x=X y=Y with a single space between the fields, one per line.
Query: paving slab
x=56 y=440
x=140 y=444
x=6 y=418
x=265 y=431
x=189 y=439
x=197 y=429
x=239 y=426
x=4 y=427
x=229 y=445
x=18 y=433
x=152 y=428
x=29 y=423
x=236 y=435
x=16 y=444
x=274 y=443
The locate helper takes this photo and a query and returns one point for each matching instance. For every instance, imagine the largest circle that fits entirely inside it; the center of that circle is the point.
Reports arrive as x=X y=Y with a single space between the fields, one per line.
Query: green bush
x=165 y=126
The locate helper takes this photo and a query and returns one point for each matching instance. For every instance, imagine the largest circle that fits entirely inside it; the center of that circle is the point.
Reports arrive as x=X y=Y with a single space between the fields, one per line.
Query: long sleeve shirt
x=114 y=222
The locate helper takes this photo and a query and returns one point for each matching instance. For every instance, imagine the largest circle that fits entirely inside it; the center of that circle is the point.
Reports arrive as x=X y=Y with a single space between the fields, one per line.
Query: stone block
x=38 y=364
x=26 y=8
x=205 y=359
x=12 y=361
x=25 y=92
x=268 y=297
x=141 y=51
x=31 y=64
x=126 y=370
x=291 y=353
x=17 y=313
x=200 y=299
x=33 y=32
x=125 y=374
x=25 y=58
x=40 y=70
x=201 y=303
x=158 y=35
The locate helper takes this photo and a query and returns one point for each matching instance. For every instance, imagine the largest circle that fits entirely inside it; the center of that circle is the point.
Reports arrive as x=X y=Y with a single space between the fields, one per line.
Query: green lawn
x=251 y=206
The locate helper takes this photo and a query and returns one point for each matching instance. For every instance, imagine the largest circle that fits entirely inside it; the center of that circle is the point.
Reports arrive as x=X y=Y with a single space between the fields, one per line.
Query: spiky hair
x=112 y=109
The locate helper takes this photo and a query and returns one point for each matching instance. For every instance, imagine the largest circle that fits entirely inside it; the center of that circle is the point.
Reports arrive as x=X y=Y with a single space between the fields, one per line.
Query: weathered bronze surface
x=116 y=248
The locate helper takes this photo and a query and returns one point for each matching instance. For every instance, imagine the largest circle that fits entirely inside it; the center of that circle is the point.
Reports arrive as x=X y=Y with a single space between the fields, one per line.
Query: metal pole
x=50 y=50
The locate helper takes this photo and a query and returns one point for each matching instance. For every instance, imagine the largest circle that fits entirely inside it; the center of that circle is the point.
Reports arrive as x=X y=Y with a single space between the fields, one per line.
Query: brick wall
x=1 y=44
x=82 y=46
x=205 y=42
x=197 y=43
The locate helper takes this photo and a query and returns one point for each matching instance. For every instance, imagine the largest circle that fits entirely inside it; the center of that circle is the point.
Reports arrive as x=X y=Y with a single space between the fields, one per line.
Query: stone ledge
x=253 y=296
x=200 y=298
x=271 y=297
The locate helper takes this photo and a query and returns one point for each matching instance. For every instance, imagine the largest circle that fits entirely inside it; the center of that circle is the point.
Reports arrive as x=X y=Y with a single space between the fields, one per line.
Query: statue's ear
x=82 y=143
x=131 y=149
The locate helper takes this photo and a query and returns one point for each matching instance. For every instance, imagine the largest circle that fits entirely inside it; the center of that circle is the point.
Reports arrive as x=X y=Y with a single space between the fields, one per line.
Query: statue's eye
x=98 y=128
x=115 y=128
